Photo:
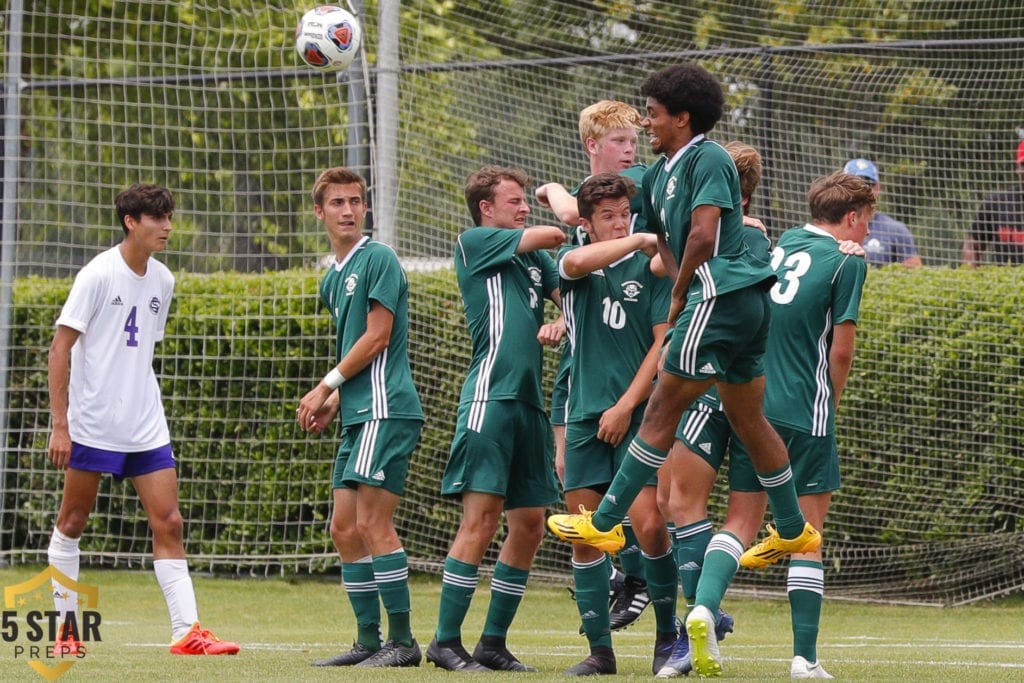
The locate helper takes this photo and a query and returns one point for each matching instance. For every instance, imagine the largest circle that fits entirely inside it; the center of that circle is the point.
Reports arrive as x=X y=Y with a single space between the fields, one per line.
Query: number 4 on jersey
x=131 y=328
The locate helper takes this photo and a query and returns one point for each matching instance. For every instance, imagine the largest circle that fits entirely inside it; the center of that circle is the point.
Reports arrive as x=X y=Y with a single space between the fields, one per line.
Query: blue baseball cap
x=863 y=168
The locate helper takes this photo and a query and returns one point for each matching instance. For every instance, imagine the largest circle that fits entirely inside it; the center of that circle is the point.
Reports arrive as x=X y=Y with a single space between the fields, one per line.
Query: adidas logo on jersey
x=707 y=367
x=706 y=447
x=379 y=476
x=117 y=301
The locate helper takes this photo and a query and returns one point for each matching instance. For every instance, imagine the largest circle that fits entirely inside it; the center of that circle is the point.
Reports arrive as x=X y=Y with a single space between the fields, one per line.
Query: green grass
x=284 y=624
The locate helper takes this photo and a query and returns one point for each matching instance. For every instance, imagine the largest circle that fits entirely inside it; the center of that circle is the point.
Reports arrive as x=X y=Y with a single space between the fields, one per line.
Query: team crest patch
x=670 y=189
x=631 y=290
x=350 y=284
x=154 y=304
x=535 y=276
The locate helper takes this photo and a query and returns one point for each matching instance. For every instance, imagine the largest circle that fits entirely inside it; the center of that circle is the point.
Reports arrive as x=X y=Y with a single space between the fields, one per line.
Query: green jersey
x=636 y=204
x=384 y=389
x=609 y=316
x=703 y=174
x=818 y=288
x=503 y=294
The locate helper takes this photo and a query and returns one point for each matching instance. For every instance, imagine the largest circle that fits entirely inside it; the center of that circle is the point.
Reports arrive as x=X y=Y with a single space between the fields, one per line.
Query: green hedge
x=930 y=427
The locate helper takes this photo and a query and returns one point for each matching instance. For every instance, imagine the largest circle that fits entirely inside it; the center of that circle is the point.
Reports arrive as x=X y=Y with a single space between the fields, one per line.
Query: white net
x=211 y=100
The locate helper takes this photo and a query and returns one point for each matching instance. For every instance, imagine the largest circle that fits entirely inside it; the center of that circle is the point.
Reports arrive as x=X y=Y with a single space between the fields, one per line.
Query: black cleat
x=394 y=654
x=358 y=653
x=453 y=657
x=630 y=602
x=600 y=662
x=496 y=657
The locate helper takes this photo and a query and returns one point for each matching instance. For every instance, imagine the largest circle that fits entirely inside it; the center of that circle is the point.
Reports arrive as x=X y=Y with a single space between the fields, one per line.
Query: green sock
x=508 y=585
x=662 y=581
x=361 y=589
x=457 y=587
x=805 y=584
x=391 y=573
x=642 y=461
x=629 y=557
x=691 y=542
x=789 y=520
x=592 y=600
x=720 y=564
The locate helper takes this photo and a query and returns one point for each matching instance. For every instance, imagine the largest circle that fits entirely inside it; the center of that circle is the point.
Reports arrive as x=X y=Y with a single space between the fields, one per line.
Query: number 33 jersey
x=114 y=397
x=818 y=288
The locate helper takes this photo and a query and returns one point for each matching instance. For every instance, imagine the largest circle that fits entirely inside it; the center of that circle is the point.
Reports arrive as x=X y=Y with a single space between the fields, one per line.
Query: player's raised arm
x=540 y=237
x=590 y=257
x=562 y=204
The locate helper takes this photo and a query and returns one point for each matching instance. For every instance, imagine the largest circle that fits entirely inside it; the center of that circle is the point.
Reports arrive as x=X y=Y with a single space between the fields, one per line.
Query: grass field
x=284 y=624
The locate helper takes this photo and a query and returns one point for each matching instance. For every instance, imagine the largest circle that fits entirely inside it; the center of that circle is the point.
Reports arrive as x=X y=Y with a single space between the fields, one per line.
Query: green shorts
x=722 y=337
x=511 y=456
x=814 y=460
x=591 y=463
x=706 y=432
x=376 y=453
x=560 y=392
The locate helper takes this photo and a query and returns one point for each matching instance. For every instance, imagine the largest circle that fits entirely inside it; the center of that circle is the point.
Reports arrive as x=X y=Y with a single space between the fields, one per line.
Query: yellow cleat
x=580 y=529
x=773 y=547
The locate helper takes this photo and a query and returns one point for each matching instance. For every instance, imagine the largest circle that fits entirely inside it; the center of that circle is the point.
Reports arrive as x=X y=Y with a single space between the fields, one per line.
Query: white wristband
x=334 y=378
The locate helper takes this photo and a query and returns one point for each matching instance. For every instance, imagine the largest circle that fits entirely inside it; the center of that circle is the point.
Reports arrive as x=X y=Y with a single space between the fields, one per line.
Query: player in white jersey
x=107 y=415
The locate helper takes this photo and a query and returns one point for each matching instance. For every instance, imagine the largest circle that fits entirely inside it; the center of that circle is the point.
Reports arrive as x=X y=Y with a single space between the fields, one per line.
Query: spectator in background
x=1000 y=223
x=888 y=240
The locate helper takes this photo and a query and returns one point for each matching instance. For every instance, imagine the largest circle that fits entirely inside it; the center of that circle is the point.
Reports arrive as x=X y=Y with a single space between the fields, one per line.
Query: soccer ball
x=328 y=37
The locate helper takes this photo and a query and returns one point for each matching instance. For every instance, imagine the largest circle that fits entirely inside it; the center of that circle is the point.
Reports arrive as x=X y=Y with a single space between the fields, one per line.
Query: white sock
x=65 y=555
x=175 y=582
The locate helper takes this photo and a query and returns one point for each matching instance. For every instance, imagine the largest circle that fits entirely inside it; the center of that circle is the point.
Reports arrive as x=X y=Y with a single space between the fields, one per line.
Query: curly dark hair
x=691 y=88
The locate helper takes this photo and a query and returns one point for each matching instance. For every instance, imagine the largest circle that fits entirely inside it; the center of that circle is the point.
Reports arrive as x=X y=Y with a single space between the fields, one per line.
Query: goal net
x=211 y=100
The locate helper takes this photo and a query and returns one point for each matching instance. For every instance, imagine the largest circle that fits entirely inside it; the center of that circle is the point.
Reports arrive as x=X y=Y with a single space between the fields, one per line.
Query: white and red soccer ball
x=328 y=38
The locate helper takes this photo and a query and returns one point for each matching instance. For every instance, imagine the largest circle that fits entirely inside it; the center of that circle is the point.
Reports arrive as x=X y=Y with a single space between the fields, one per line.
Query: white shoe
x=801 y=668
x=704 y=654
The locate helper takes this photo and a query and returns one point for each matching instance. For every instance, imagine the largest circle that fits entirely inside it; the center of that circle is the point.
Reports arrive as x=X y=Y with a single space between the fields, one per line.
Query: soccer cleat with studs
x=579 y=528
x=773 y=547
x=704 y=654
x=601 y=662
x=67 y=645
x=452 y=656
x=358 y=653
x=496 y=657
x=201 y=641
x=629 y=604
x=678 y=663
x=394 y=654
x=801 y=668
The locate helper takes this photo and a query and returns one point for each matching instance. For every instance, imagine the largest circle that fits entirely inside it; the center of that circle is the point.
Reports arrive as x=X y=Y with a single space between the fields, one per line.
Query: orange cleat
x=199 y=641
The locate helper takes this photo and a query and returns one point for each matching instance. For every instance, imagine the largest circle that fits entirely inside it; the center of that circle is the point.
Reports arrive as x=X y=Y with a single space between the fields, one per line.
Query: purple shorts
x=121 y=465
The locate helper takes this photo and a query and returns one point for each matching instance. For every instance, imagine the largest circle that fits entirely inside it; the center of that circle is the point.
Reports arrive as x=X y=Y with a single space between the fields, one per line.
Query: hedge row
x=930 y=427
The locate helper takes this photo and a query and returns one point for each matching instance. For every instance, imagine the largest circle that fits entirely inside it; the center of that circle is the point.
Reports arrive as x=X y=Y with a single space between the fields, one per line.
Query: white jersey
x=113 y=398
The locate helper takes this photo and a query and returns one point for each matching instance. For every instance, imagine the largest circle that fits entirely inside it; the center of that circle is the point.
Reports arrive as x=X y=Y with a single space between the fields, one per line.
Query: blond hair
x=606 y=115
